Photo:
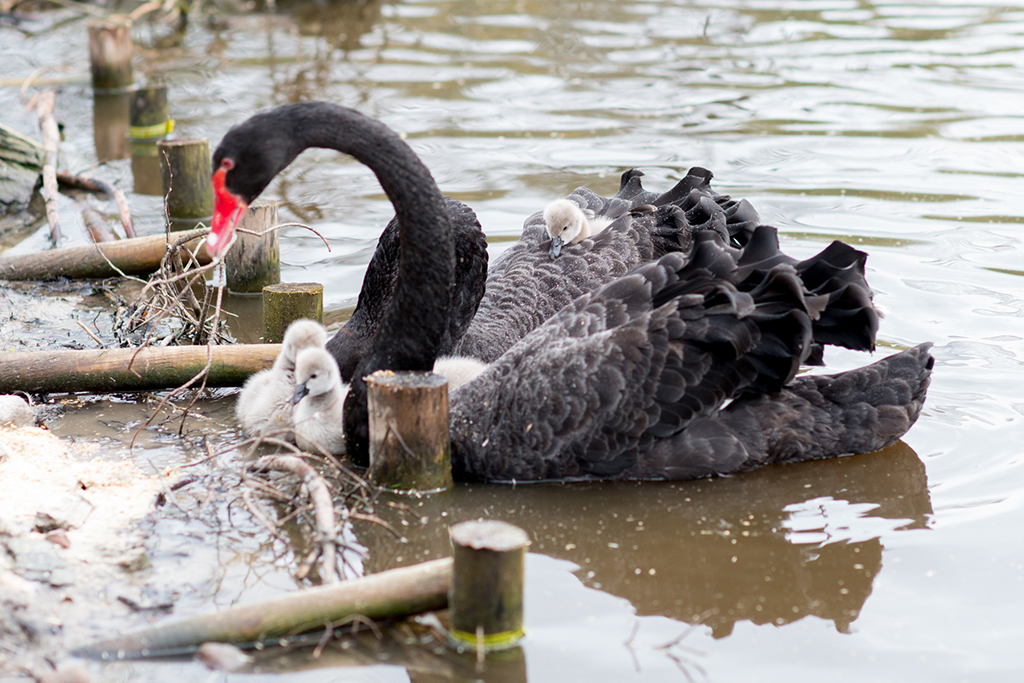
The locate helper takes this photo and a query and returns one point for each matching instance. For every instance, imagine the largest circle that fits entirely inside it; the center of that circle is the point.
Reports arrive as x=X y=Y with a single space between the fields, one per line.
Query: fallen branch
x=141 y=255
x=323 y=506
x=96 y=226
x=152 y=368
x=44 y=103
x=80 y=182
x=391 y=594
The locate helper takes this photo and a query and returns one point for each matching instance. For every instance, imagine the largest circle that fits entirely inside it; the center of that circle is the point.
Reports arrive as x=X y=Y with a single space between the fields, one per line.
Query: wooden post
x=110 y=52
x=185 y=168
x=149 y=114
x=486 y=596
x=410 y=448
x=285 y=303
x=255 y=260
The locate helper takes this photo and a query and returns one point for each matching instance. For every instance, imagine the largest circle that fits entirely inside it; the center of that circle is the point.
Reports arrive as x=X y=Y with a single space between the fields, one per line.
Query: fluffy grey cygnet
x=265 y=405
x=319 y=397
x=569 y=224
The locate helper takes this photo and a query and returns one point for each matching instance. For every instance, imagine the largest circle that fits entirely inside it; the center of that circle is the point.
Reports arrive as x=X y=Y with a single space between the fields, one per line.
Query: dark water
x=894 y=126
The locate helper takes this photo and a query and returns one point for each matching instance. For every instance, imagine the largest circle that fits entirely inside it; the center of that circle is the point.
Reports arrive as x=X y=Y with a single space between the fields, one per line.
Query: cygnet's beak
x=300 y=392
x=556 y=247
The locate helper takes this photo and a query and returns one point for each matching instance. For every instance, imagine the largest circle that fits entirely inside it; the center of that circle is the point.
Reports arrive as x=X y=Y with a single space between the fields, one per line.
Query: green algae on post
x=185 y=168
x=285 y=303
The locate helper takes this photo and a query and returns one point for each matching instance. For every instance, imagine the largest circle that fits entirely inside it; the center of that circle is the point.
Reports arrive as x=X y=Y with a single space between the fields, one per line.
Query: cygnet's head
x=301 y=334
x=565 y=222
x=316 y=374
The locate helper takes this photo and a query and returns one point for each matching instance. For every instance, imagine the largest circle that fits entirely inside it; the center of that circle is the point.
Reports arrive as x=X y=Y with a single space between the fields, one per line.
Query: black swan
x=682 y=368
x=523 y=287
x=265 y=402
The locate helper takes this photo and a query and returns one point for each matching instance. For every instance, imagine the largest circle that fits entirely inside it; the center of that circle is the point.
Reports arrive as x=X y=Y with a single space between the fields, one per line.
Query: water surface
x=895 y=126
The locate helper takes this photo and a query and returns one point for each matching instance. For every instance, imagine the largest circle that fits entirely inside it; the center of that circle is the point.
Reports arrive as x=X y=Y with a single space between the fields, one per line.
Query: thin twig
x=89 y=332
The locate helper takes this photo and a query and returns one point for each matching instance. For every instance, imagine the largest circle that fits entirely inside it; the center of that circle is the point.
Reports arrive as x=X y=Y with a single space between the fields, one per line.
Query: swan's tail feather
x=858 y=411
x=741 y=219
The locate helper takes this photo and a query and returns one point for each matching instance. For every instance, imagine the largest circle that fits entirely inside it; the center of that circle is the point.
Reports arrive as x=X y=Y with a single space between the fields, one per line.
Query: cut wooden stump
x=486 y=596
x=185 y=167
x=110 y=53
x=255 y=259
x=410 y=448
x=287 y=302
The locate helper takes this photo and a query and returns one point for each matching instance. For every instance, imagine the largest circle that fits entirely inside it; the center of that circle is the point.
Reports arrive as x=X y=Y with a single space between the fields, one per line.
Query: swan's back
x=630 y=380
x=525 y=286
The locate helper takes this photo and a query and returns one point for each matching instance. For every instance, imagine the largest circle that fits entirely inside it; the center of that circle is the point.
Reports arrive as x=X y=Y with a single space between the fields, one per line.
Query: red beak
x=228 y=209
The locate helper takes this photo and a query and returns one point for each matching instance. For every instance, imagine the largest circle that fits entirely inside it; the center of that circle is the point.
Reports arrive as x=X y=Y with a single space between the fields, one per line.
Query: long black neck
x=413 y=324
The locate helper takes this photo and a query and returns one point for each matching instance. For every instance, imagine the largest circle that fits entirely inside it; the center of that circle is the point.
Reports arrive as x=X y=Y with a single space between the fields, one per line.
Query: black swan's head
x=244 y=163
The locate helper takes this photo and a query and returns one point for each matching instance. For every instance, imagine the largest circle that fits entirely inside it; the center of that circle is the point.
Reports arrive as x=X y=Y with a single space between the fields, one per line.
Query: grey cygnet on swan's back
x=568 y=224
x=264 y=405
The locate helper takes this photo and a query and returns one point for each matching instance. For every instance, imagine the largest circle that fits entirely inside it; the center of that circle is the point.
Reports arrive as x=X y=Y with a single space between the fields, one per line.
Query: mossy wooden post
x=486 y=595
x=185 y=169
x=149 y=122
x=254 y=261
x=110 y=52
x=285 y=303
x=150 y=113
x=409 y=445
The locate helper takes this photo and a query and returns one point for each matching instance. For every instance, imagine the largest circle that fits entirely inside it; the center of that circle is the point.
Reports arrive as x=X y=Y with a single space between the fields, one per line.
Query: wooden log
x=486 y=595
x=110 y=53
x=97 y=226
x=285 y=303
x=410 y=448
x=255 y=260
x=394 y=593
x=185 y=168
x=137 y=256
x=152 y=368
x=112 y=193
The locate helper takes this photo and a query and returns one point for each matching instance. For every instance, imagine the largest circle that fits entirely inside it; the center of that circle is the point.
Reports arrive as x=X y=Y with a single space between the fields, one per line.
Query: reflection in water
x=771 y=546
x=110 y=126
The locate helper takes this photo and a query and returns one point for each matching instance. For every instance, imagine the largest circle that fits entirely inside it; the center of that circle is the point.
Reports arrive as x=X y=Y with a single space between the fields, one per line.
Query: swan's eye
x=227 y=164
